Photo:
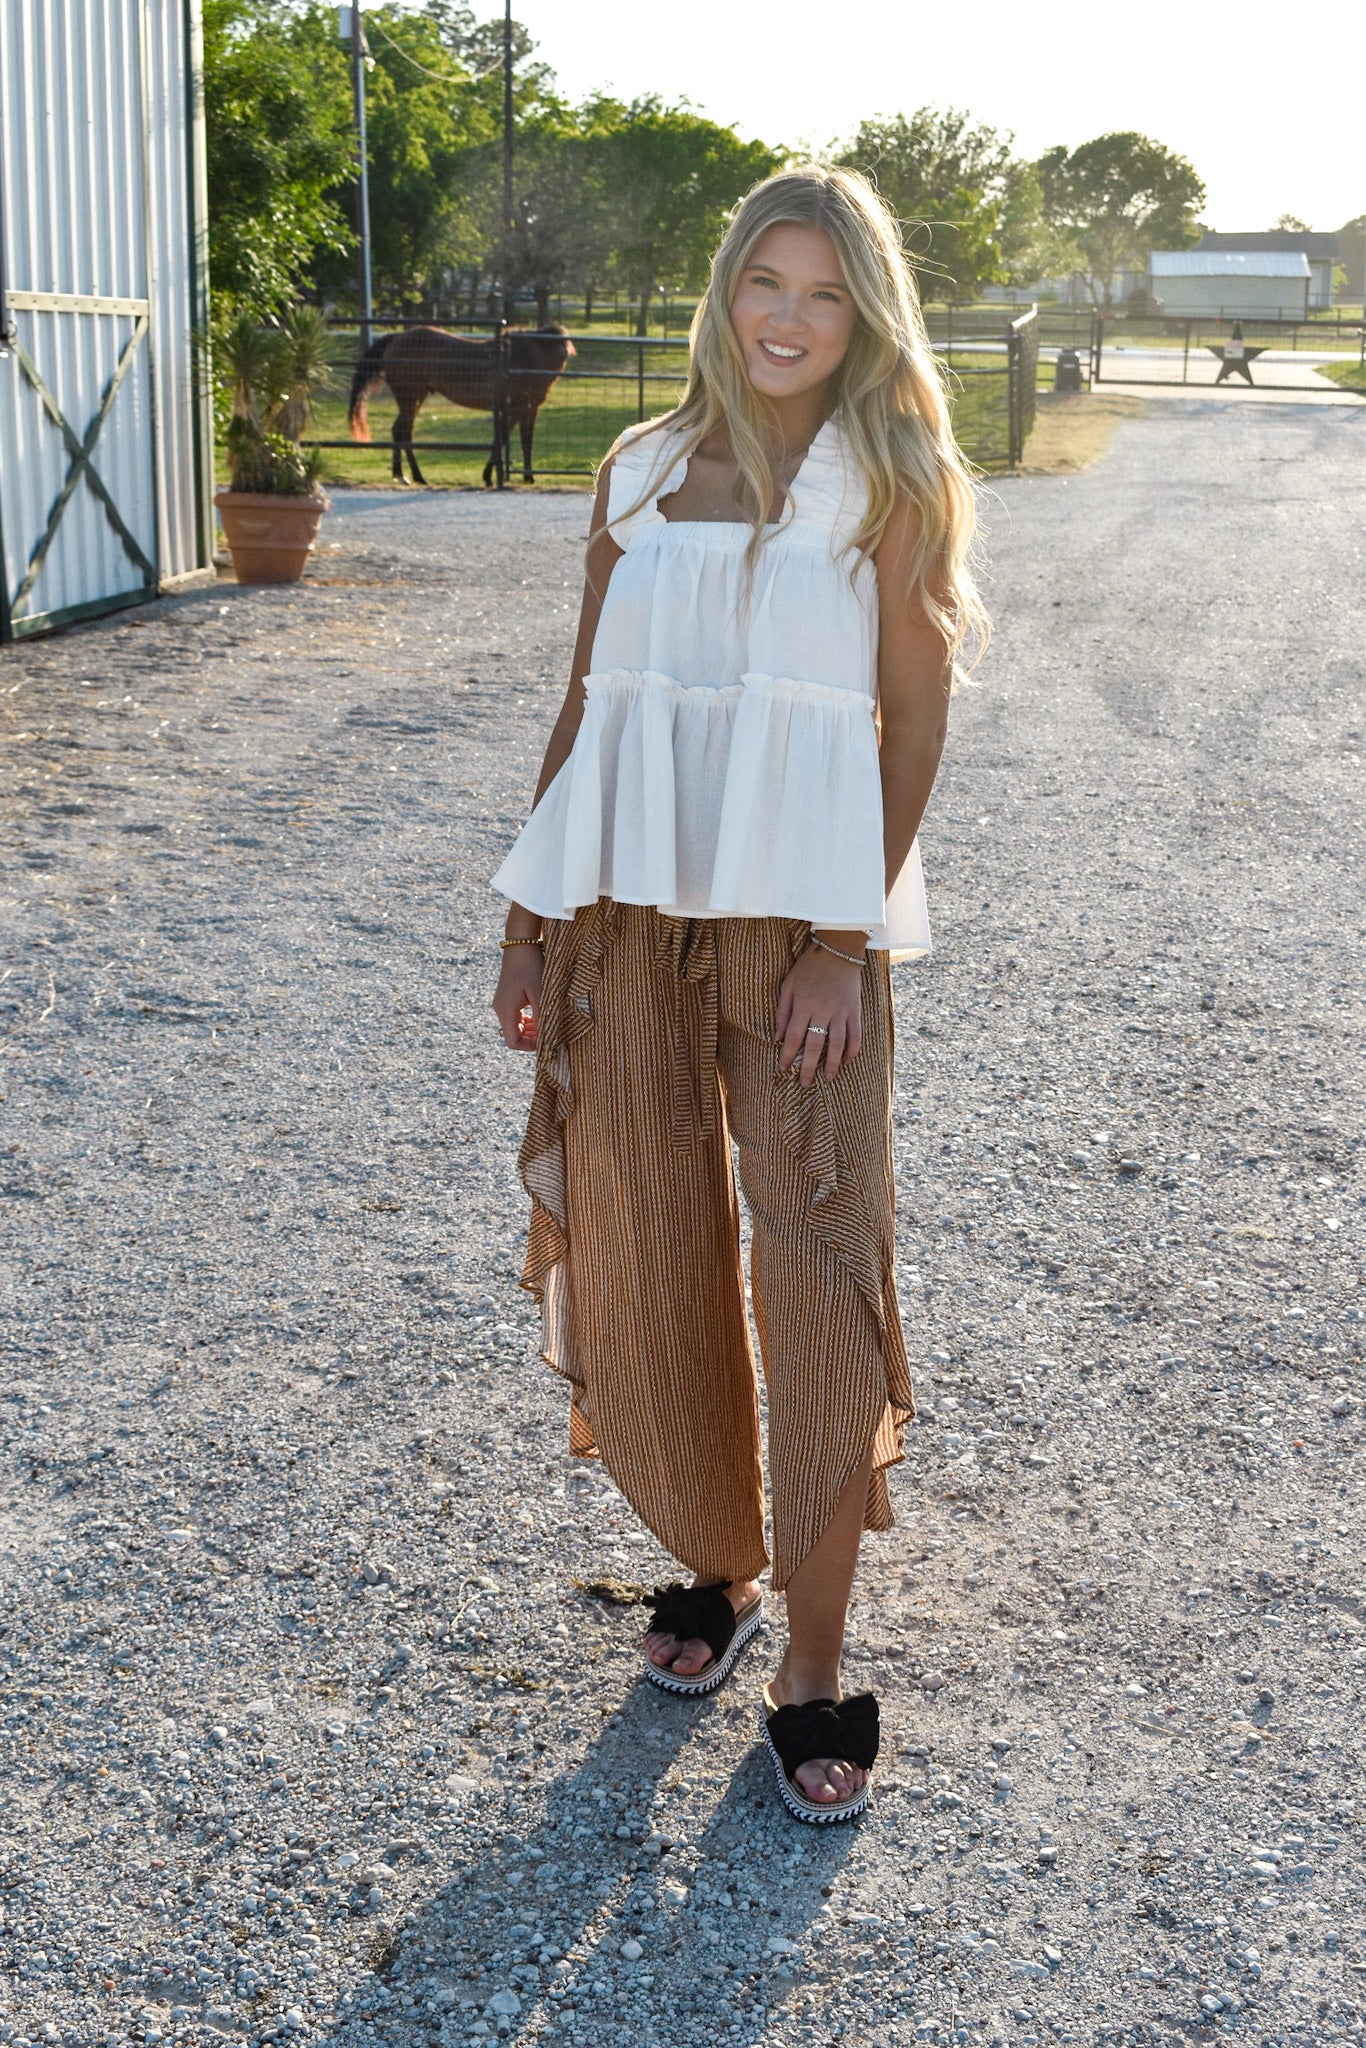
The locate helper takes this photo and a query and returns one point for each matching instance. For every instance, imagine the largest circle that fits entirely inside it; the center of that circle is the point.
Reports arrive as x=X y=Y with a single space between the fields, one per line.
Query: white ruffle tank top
x=726 y=764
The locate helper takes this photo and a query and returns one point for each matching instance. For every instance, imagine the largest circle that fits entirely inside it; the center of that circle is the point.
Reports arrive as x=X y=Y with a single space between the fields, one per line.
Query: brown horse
x=418 y=361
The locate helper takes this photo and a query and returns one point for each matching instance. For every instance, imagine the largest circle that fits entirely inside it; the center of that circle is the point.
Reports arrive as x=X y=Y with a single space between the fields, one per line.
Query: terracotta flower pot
x=268 y=537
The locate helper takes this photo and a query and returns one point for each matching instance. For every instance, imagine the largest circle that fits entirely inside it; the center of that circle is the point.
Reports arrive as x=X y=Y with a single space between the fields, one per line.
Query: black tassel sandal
x=846 y=1729
x=702 y=1611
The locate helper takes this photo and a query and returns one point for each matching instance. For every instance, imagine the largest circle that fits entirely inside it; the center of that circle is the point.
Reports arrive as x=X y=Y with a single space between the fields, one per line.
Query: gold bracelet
x=503 y=944
x=812 y=940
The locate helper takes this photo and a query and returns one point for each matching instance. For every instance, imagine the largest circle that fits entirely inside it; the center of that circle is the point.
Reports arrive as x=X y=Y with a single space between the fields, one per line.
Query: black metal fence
x=612 y=381
x=1024 y=381
x=1137 y=349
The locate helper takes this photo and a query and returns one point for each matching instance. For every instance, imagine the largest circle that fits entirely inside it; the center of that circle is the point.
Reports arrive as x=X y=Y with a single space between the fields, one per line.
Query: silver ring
x=823 y=1029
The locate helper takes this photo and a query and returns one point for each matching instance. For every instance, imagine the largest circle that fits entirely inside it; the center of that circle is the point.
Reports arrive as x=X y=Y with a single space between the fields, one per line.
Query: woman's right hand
x=517 y=998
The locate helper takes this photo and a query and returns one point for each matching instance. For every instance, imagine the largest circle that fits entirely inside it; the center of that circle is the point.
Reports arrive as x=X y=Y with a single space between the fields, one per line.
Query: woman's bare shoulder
x=901 y=533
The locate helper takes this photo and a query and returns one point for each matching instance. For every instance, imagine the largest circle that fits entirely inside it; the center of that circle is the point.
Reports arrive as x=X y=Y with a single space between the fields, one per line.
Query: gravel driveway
x=318 y=1680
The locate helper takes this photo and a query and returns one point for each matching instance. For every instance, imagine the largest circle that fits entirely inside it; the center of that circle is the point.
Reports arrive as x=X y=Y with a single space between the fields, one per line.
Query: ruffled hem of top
x=761 y=798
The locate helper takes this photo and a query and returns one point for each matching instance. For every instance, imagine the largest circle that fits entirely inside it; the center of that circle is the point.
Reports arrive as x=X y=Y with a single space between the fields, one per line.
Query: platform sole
x=794 y=1799
x=746 y=1627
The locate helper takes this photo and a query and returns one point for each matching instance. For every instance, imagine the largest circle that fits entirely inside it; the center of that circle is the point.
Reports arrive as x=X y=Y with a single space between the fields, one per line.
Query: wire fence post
x=4 y=310
x=359 y=53
x=1022 y=369
x=640 y=380
x=509 y=211
x=502 y=379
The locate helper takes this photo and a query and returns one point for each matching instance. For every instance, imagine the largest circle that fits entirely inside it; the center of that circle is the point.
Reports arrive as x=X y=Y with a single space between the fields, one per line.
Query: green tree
x=277 y=109
x=479 y=47
x=424 y=111
x=468 y=245
x=956 y=187
x=563 y=214
x=1352 y=251
x=670 y=177
x=1117 y=197
x=1031 y=247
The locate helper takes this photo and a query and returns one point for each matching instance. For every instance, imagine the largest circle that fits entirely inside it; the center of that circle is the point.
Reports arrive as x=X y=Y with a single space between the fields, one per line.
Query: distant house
x=1322 y=252
x=1229 y=283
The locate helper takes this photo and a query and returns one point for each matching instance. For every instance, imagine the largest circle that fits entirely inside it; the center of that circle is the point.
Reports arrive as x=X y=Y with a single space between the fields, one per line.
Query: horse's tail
x=368 y=372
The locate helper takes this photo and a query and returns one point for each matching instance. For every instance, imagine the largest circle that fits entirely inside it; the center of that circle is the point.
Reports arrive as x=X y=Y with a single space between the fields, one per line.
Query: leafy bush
x=267 y=375
x=260 y=461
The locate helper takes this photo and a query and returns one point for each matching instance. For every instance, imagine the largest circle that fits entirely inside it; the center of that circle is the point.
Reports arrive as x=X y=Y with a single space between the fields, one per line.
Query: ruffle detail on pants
x=574 y=953
x=685 y=961
x=855 y=1219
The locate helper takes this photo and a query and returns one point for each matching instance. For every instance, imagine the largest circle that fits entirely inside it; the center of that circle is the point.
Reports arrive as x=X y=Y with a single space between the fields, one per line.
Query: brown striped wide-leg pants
x=656 y=1050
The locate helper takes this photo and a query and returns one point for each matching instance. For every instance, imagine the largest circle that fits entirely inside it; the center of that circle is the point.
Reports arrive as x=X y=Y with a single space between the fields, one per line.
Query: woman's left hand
x=819 y=990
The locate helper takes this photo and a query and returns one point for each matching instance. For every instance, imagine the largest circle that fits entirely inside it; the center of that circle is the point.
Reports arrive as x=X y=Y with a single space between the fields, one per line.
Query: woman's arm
x=603 y=556
x=915 y=672
x=914 y=677
x=517 y=999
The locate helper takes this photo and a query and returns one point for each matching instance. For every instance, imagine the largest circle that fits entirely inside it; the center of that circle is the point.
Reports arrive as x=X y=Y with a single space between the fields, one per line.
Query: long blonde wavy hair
x=890 y=392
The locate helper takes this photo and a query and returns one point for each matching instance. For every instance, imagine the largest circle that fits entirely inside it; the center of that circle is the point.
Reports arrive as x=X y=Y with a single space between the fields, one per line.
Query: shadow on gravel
x=570 y=1930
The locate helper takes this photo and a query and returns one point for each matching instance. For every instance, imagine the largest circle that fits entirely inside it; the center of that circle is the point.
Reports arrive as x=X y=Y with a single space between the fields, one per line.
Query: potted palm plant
x=269 y=376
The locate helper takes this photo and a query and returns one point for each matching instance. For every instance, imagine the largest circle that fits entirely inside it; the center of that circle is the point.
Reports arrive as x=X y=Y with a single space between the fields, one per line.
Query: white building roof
x=1227 y=263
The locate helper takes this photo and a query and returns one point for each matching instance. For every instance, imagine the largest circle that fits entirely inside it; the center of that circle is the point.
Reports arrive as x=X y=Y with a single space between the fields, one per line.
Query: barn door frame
x=80 y=447
x=80 y=467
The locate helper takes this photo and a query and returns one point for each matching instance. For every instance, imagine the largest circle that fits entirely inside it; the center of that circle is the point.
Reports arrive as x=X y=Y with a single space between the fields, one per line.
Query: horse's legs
x=500 y=445
x=527 y=423
x=408 y=448
x=405 y=420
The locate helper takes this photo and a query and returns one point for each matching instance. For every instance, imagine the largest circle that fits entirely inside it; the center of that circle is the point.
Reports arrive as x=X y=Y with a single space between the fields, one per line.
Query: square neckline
x=734 y=525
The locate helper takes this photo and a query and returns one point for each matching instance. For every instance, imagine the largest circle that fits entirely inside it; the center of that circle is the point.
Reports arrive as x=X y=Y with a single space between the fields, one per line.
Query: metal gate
x=1281 y=355
x=99 y=284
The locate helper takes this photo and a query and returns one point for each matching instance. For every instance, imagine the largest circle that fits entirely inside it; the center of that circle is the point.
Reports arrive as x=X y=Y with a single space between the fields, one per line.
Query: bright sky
x=1267 y=106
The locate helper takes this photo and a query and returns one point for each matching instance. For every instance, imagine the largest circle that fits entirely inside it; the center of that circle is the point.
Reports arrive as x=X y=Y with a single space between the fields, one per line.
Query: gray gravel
x=317 y=1688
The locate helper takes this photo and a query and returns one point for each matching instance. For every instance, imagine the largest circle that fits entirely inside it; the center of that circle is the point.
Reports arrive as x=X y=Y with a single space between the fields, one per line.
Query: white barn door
x=78 y=496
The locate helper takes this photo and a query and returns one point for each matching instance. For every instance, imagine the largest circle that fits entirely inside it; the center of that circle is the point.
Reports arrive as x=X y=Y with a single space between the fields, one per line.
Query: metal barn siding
x=104 y=471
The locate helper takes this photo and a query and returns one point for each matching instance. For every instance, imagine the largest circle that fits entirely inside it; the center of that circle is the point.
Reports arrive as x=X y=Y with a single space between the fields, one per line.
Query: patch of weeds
x=383 y=1951
x=514 y=1675
x=613 y=1592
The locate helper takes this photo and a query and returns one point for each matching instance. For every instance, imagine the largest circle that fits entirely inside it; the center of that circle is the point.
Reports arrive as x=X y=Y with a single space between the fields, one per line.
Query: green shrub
x=271 y=463
x=267 y=376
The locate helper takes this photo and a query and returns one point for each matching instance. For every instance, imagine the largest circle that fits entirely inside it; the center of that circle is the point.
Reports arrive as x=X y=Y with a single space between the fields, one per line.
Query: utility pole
x=509 y=222
x=353 y=31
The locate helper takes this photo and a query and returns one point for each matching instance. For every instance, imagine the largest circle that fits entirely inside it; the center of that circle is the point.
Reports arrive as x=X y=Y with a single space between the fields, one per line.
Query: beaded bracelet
x=848 y=958
x=503 y=944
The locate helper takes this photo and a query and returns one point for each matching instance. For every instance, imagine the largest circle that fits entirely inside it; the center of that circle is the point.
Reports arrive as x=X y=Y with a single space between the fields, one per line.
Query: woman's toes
x=814 y=1782
x=829 y=1781
x=687 y=1659
x=691 y=1658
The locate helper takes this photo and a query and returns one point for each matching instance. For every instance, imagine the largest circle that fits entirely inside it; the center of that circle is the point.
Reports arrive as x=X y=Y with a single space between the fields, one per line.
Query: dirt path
x=322 y=1724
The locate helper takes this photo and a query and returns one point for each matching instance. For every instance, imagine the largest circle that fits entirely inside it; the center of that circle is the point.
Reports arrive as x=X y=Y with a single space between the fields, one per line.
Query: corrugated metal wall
x=180 y=269
x=1226 y=297
x=100 y=279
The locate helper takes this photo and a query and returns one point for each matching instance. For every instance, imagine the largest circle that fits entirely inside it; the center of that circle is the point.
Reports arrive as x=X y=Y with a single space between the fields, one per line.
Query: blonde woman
x=719 y=867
